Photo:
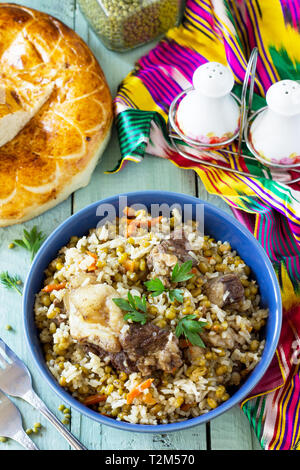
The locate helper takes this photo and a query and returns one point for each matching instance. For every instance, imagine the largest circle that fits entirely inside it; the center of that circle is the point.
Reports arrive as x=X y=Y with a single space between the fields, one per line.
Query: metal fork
x=11 y=423
x=15 y=380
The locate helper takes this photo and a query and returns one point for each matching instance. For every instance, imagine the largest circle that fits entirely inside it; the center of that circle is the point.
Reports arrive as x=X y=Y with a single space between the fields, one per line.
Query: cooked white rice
x=206 y=379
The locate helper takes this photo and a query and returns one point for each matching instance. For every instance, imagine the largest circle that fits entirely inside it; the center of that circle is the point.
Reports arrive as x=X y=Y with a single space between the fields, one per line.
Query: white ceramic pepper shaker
x=209 y=113
x=275 y=133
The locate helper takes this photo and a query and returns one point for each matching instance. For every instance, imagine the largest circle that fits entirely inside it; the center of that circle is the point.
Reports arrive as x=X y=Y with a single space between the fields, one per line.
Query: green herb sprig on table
x=10 y=282
x=135 y=306
x=190 y=328
x=179 y=274
x=31 y=241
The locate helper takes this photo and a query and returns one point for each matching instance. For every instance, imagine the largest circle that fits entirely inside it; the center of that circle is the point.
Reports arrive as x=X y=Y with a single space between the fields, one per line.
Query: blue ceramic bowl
x=217 y=224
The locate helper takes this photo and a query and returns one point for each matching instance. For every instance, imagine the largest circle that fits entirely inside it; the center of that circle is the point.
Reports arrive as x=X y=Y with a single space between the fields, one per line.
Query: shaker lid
x=284 y=97
x=213 y=80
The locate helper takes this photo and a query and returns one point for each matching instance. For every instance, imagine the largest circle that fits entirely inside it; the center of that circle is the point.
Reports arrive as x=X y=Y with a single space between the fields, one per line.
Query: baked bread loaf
x=17 y=108
x=55 y=113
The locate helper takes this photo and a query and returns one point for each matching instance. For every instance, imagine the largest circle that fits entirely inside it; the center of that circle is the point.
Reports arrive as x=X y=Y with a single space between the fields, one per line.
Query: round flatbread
x=55 y=113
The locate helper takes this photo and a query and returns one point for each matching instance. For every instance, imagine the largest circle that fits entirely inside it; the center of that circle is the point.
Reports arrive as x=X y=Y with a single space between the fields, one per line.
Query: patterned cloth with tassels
x=226 y=31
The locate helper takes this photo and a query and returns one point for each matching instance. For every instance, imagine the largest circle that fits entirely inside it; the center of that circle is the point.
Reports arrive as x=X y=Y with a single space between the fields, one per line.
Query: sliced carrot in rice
x=187 y=406
x=93 y=399
x=129 y=212
x=52 y=287
x=93 y=266
x=131 y=228
x=154 y=221
x=93 y=255
x=137 y=390
x=148 y=399
x=132 y=225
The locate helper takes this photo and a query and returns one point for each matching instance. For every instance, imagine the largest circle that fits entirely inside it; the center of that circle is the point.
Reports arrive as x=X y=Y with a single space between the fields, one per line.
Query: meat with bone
x=145 y=349
x=178 y=244
x=94 y=317
x=119 y=360
x=151 y=348
x=224 y=290
x=164 y=256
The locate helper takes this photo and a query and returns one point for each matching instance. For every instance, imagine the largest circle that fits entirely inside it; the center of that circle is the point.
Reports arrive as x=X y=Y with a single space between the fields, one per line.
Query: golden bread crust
x=57 y=150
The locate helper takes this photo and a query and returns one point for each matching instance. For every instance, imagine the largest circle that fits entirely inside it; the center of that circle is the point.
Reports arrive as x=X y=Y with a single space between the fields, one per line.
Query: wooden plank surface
x=231 y=430
x=17 y=261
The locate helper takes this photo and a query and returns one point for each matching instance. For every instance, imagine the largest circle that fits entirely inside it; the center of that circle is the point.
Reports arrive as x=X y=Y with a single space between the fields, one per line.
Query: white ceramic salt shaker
x=209 y=113
x=275 y=133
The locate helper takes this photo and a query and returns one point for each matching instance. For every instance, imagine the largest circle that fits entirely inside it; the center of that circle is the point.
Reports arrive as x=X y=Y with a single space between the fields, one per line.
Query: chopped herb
x=182 y=273
x=31 y=241
x=138 y=302
x=190 y=328
x=176 y=294
x=136 y=316
x=10 y=282
x=123 y=304
x=179 y=274
x=155 y=286
x=135 y=306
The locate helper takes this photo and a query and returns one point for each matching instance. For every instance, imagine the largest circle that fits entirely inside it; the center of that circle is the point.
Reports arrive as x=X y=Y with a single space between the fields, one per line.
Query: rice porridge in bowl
x=148 y=321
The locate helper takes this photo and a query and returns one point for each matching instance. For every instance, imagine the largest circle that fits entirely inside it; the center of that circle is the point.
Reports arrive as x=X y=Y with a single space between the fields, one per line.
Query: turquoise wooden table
x=230 y=431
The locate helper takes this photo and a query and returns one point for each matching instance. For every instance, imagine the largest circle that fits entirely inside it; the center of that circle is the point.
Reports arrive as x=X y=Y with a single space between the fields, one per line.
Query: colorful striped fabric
x=226 y=31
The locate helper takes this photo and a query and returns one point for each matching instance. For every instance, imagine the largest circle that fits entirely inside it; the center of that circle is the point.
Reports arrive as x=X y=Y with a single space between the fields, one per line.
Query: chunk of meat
x=89 y=347
x=178 y=244
x=151 y=348
x=145 y=349
x=119 y=360
x=224 y=290
x=165 y=255
x=94 y=317
x=141 y=340
x=169 y=358
x=160 y=261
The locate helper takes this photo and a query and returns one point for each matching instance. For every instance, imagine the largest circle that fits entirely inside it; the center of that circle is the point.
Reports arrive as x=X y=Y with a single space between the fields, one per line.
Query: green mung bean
x=123 y=24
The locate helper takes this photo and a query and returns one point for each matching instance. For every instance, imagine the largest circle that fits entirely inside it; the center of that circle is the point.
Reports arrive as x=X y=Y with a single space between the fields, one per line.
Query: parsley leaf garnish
x=176 y=294
x=135 y=306
x=136 y=316
x=10 y=282
x=155 y=286
x=182 y=273
x=179 y=274
x=31 y=241
x=190 y=328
